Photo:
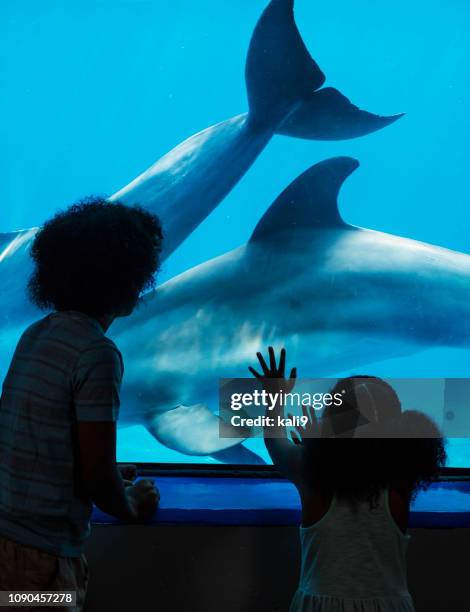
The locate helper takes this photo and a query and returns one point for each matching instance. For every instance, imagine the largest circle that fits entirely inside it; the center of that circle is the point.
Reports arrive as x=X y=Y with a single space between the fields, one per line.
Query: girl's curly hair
x=405 y=450
x=95 y=257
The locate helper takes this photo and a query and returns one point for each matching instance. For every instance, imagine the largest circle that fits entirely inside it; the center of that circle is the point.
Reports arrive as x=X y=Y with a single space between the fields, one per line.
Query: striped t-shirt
x=64 y=370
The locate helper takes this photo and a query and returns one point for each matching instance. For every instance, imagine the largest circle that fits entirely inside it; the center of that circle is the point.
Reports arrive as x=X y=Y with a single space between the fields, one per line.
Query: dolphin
x=336 y=295
x=285 y=96
x=186 y=184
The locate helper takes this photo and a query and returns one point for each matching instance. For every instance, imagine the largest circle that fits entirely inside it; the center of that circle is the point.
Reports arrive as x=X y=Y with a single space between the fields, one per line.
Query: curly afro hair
x=95 y=257
x=406 y=454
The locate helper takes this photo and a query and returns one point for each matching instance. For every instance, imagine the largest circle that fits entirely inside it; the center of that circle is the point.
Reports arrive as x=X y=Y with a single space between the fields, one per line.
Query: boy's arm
x=96 y=387
x=100 y=478
x=286 y=456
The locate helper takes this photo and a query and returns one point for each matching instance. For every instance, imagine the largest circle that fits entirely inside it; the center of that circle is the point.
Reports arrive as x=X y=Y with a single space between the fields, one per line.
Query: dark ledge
x=259 y=497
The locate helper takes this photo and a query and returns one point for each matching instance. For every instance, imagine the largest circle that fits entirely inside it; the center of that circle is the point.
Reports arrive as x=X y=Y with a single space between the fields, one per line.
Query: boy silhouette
x=60 y=397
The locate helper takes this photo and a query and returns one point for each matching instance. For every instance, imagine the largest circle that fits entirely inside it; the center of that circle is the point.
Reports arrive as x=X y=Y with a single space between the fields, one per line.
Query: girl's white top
x=353 y=560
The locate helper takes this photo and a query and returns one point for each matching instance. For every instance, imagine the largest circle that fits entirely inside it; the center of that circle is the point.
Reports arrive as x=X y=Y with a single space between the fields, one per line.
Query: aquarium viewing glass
x=96 y=92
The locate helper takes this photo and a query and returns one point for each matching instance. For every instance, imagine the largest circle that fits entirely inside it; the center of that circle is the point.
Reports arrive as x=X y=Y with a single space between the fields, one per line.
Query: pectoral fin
x=194 y=430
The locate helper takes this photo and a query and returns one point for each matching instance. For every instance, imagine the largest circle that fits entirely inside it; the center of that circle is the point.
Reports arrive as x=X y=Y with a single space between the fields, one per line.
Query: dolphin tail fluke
x=328 y=115
x=279 y=70
x=282 y=81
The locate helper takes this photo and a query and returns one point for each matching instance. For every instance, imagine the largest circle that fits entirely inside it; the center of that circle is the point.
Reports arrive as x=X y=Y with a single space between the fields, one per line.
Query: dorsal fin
x=308 y=202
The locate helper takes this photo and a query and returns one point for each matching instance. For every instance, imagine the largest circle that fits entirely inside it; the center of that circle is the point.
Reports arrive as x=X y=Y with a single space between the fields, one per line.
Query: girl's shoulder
x=315 y=505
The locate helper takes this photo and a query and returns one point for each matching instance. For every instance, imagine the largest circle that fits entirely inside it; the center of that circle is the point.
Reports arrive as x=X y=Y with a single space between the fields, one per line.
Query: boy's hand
x=143 y=498
x=273 y=378
x=128 y=472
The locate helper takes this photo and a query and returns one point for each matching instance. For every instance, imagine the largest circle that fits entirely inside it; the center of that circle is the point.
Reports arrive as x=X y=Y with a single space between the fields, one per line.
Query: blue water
x=94 y=91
